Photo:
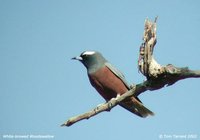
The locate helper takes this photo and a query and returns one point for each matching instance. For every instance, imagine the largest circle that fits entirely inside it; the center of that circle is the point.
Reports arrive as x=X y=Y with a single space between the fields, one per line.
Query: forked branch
x=157 y=76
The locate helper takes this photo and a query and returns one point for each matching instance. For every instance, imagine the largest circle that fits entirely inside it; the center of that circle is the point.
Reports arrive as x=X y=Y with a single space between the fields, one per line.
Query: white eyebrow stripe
x=89 y=53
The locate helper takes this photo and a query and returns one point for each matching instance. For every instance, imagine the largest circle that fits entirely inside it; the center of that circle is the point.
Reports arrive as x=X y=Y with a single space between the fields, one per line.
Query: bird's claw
x=132 y=86
x=110 y=105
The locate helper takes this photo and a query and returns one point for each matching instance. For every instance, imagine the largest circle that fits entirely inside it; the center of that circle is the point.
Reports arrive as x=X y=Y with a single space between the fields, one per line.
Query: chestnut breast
x=107 y=83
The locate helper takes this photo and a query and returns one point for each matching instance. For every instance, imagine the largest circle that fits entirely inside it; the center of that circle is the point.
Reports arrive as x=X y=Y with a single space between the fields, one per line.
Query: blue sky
x=40 y=87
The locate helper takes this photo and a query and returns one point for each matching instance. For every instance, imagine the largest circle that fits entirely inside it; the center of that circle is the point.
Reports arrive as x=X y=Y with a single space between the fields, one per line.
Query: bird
x=110 y=82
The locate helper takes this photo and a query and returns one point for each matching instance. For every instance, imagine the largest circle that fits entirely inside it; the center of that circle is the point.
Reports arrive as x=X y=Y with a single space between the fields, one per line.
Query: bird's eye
x=85 y=55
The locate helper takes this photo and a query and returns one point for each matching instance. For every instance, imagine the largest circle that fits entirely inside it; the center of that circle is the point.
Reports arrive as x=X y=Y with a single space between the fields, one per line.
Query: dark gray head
x=92 y=60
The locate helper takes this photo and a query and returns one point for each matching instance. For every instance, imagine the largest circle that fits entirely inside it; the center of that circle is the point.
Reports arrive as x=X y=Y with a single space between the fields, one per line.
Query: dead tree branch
x=103 y=107
x=171 y=75
x=158 y=76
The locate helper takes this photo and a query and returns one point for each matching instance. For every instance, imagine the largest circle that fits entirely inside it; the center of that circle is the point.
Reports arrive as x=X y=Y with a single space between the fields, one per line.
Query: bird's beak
x=77 y=58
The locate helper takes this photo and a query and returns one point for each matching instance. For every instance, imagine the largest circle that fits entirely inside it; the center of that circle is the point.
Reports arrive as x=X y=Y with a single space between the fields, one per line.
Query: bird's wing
x=118 y=74
x=133 y=104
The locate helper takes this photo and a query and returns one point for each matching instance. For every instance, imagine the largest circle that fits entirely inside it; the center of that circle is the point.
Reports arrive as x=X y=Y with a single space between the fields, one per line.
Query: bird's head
x=91 y=59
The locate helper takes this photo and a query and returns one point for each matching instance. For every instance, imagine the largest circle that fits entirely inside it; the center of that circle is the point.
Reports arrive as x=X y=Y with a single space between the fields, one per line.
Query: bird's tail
x=136 y=107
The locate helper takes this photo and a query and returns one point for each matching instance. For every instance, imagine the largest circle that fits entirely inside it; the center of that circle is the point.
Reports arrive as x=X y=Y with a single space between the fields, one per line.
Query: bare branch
x=103 y=107
x=157 y=75
x=170 y=76
x=147 y=64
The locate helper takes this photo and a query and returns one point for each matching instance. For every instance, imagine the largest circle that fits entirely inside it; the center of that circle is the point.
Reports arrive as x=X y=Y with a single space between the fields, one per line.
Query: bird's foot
x=118 y=95
x=132 y=86
x=110 y=103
